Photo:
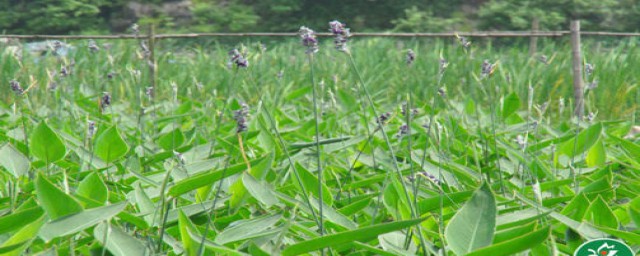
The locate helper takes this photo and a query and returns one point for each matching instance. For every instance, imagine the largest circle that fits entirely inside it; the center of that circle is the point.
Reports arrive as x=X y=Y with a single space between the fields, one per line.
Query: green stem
x=318 y=155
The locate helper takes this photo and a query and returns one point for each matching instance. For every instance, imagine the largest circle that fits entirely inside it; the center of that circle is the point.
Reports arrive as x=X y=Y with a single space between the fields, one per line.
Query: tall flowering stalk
x=20 y=93
x=240 y=116
x=486 y=70
x=237 y=60
x=309 y=40
x=341 y=36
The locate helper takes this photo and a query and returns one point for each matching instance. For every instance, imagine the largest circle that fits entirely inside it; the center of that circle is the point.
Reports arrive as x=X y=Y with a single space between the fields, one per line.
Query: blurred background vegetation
x=104 y=16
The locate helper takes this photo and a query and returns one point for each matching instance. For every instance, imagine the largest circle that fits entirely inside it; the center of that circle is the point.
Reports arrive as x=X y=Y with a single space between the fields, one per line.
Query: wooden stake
x=577 y=70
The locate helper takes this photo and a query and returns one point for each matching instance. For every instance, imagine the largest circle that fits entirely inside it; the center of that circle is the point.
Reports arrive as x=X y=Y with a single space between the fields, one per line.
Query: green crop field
x=388 y=147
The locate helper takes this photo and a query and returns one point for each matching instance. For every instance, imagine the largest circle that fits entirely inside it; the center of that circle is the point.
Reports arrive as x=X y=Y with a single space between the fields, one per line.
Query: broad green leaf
x=581 y=143
x=515 y=245
x=118 y=242
x=247 y=229
x=24 y=237
x=473 y=226
x=259 y=190
x=597 y=154
x=13 y=160
x=577 y=207
x=93 y=187
x=53 y=200
x=79 y=221
x=600 y=214
x=171 y=140
x=19 y=219
x=600 y=187
x=510 y=104
x=361 y=234
x=207 y=178
x=185 y=225
x=45 y=144
x=110 y=146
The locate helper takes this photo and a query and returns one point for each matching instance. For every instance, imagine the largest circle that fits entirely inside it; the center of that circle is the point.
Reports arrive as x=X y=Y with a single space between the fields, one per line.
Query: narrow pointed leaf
x=601 y=215
x=207 y=178
x=247 y=229
x=361 y=235
x=185 y=226
x=24 y=237
x=515 y=245
x=79 y=221
x=172 y=140
x=19 y=219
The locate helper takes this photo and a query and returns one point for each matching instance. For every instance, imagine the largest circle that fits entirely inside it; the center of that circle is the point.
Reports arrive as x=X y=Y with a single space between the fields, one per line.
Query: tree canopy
x=102 y=16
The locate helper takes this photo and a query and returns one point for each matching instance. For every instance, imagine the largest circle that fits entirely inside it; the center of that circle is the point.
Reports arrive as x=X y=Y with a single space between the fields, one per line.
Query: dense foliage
x=101 y=16
x=383 y=148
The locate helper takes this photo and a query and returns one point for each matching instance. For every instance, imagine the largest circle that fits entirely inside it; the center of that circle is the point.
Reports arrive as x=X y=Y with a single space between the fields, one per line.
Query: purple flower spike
x=309 y=39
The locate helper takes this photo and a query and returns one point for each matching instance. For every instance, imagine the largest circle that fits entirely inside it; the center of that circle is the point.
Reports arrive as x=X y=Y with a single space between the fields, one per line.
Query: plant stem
x=318 y=155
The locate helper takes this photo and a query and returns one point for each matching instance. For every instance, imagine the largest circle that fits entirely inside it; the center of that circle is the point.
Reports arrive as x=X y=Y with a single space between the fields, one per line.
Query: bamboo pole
x=533 y=41
x=374 y=34
x=577 y=70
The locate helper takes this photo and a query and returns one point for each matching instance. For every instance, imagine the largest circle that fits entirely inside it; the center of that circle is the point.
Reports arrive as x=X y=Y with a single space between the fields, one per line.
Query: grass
x=315 y=172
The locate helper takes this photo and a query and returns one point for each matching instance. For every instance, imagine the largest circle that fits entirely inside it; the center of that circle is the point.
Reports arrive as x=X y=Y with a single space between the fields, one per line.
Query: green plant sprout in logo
x=603 y=247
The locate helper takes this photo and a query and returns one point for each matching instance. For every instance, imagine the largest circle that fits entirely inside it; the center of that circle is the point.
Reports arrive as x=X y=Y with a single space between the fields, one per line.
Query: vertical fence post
x=533 y=40
x=152 y=57
x=577 y=69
